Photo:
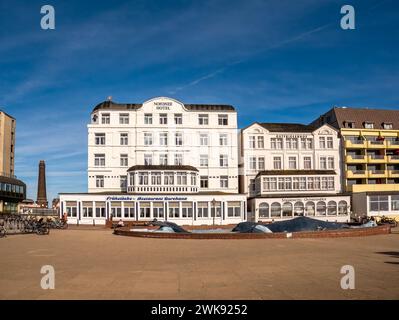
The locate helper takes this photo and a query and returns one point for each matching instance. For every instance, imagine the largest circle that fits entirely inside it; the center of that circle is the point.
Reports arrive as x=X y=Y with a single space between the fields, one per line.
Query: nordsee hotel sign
x=145 y=198
x=163 y=105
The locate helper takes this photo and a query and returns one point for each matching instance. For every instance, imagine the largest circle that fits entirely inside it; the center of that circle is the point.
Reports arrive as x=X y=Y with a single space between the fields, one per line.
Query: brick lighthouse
x=41 y=186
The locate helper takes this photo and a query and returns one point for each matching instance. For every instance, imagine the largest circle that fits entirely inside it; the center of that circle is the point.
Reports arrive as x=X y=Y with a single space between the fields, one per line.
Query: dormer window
x=105 y=118
x=387 y=125
x=368 y=125
x=349 y=124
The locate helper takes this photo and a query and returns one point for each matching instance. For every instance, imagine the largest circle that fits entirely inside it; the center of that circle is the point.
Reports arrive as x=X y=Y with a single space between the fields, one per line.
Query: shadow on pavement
x=392 y=254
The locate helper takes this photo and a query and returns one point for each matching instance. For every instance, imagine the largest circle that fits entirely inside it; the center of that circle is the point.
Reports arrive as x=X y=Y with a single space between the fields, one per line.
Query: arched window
x=275 y=210
x=310 y=208
x=264 y=210
x=299 y=209
x=321 y=208
x=342 y=208
x=332 y=208
x=287 y=209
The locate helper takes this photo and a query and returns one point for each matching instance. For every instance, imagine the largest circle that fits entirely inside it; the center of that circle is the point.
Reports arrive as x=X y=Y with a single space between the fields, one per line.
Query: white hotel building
x=161 y=160
x=289 y=170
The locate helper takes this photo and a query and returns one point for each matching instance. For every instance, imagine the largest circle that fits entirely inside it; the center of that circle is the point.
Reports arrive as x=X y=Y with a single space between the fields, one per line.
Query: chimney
x=41 y=186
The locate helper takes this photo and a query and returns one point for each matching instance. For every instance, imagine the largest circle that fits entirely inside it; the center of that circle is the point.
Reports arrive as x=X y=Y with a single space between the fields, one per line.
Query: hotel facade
x=160 y=160
x=290 y=170
x=370 y=157
x=189 y=164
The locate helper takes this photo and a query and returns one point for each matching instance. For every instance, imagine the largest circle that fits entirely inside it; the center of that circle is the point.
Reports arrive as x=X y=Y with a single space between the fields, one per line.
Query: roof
x=1 y=111
x=287 y=127
x=117 y=106
x=361 y=115
x=110 y=105
x=17 y=182
x=162 y=167
x=294 y=172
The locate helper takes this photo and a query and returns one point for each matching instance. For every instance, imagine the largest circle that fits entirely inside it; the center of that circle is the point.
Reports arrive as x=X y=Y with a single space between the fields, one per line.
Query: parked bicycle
x=58 y=224
x=23 y=224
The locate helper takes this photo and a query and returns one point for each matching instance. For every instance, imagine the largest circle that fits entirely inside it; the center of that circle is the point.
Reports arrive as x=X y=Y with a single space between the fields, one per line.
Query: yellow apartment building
x=370 y=157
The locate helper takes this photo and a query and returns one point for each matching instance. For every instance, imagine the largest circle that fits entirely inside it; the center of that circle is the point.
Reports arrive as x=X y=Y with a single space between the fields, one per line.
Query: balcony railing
x=377 y=157
x=393 y=143
x=356 y=174
x=393 y=174
x=377 y=173
x=393 y=158
x=376 y=144
x=355 y=143
x=356 y=158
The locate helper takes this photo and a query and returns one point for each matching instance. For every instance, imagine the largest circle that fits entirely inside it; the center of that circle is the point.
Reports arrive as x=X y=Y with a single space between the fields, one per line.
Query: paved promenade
x=95 y=264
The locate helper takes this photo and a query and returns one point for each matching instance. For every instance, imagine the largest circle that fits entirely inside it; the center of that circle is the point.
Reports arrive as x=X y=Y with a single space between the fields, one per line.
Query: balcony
x=393 y=159
x=372 y=187
x=355 y=144
x=376 y=144
x=392 y=144
x=377 y=159
x=393 y=174
x=378 y=173
x=358 y=174
x=356 y=159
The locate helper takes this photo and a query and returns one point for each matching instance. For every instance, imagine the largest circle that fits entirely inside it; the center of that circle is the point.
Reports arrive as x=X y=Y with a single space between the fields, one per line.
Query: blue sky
x=275 y=61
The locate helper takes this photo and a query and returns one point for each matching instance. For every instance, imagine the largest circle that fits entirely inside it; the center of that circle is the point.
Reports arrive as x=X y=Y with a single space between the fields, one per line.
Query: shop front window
x=71 y=211
x=342 y=208
x=100 y=209
x=233 y=209
x=321 y=208
x=87 y=209
x=287 y=209
x=395 y=203
x=173 y=210
x=145 y=210
x=310 y=208
x=216 y=209
x=158 y=210
x=264 y=210
x=332 y=208
x=275 y=210
x=202 y=209
x=187 y=210
x=129 y=210
x=378 y=203
x=299 y=209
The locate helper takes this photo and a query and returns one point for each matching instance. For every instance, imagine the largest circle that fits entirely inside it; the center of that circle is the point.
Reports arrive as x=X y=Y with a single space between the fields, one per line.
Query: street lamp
x=214 y=209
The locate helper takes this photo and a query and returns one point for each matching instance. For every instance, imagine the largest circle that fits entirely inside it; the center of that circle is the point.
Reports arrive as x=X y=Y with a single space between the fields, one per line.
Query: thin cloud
x=275 y=46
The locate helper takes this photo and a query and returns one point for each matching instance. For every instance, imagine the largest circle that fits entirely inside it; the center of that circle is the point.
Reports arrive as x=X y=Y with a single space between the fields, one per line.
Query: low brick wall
x=386 y=229
x=139 y=224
